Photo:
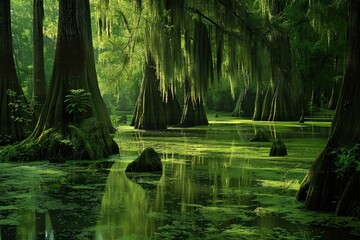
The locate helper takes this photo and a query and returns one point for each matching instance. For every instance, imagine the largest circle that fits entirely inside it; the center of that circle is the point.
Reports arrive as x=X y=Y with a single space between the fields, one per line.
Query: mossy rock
x=260 y=136
x=148 y=161
x=278 y=148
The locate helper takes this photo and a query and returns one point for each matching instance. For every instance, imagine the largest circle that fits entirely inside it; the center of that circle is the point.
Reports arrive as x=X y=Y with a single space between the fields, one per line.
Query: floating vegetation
x=215 y=185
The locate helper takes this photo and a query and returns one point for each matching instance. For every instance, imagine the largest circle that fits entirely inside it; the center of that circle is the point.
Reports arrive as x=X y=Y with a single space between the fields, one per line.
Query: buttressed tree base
x=59 y=134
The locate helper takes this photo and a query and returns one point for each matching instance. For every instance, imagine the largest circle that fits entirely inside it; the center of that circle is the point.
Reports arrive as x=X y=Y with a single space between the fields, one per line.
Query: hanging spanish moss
x=103 y=17
x=183 y=35
x=194 y=110
x=186 y=38
x=246 y=59
x=284 y=88
x=202 y=71
x=219 y=51
x=164 y=37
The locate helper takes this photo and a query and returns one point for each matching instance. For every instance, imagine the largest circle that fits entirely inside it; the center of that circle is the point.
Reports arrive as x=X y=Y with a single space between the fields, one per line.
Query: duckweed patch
x=215 y=185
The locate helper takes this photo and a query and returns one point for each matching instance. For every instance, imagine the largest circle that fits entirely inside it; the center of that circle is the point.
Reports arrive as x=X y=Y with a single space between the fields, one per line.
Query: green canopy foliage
x=197 y=41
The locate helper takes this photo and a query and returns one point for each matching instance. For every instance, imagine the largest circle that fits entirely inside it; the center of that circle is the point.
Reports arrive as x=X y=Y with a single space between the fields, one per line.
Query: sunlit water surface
x=215 y=185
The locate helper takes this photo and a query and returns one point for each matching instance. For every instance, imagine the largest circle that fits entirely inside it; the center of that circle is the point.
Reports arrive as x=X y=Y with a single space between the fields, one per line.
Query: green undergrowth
x=82 y=141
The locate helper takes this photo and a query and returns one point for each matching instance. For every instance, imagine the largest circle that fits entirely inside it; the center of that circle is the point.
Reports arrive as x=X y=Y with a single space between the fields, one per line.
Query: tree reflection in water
x=141 y=207
x=124 y=207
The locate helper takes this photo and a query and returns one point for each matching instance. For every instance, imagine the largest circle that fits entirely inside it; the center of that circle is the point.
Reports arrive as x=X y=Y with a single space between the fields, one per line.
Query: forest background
x=316 y=32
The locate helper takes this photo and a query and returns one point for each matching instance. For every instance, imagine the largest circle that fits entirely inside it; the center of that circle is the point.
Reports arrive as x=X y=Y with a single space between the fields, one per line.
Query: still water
x=215 y=185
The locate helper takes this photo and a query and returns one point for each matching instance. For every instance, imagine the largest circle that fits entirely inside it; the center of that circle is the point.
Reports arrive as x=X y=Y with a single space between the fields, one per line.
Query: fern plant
x=22 y=111
x=77 y=102
x=347 y=159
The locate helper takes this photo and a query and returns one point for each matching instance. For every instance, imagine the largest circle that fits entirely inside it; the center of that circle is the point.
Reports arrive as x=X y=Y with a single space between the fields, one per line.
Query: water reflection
x=136 y=206
x=35 y=225
x=124 y=207
x=209 y=183
x=47 y=202
x=32 y=225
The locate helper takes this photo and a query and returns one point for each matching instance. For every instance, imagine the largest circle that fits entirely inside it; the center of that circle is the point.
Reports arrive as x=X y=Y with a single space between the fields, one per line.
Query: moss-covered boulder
x=148 y=161
x=278 y=148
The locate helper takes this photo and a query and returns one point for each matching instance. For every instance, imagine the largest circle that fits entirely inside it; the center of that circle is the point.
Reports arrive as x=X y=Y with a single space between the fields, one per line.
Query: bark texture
x=258 y=103
x=245 y=104
x=333 y=96
x=11 y=128
x=39 y=86
x=57 y=136
x=173 y=109
x=149 y=110
x=323 y=188
x=194 y=112
x=284 y=100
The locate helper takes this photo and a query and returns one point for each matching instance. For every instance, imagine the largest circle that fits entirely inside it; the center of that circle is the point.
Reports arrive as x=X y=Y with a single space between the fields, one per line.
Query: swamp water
x=215 y=185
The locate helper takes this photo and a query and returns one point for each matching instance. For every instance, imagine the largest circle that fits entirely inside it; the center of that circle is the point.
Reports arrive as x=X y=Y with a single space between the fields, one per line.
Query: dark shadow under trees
x=12 y=99
x=333 y=184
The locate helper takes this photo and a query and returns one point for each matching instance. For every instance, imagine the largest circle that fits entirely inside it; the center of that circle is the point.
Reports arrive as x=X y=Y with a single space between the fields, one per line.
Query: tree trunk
x=39 y=89
x=11 y=126
x=283 y=107
x=245 y=104
x=258 y=103
x=266 y=106
x=57 y=136
x=173 y=109
x=322 y=188
x=315 y=97
x=333 y=97
x=149 y=110
x=284 y=100
x=194 y=111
